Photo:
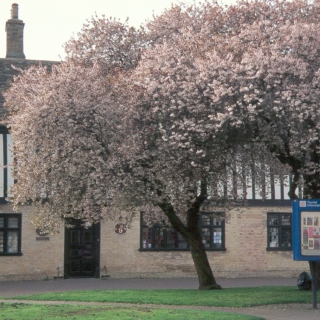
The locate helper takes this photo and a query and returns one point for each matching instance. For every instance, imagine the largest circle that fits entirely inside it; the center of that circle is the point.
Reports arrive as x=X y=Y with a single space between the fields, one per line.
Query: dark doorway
x=82 y=251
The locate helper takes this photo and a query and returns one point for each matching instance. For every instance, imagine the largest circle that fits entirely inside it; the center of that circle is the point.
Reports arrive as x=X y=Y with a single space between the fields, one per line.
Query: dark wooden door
x=82 y=251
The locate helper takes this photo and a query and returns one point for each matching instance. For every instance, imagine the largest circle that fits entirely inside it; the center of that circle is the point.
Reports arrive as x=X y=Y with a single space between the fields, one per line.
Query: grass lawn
x=232 y=297
x=20 y=311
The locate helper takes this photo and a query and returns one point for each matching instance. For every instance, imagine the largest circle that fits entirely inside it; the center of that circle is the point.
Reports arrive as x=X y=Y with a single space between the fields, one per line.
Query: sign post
x=306 y=236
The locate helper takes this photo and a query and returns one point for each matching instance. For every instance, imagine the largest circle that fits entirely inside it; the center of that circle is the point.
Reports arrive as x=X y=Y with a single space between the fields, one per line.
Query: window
x=279 y=231
x=162 y=237
x=10 y=234
x=212 y=231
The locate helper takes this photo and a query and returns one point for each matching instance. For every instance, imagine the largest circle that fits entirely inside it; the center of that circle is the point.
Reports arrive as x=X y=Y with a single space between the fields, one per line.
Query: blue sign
x=306 y=229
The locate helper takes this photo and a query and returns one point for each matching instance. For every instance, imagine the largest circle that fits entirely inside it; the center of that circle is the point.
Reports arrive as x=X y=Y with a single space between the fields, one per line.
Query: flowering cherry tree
x=270 y=88
x=169 y=118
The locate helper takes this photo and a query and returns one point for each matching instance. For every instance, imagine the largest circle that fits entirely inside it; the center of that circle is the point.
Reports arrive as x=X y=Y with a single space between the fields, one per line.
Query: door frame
x=96 y=240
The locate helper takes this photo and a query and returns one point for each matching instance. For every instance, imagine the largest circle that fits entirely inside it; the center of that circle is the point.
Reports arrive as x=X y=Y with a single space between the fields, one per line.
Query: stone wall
x=121 y=257
x=245 y=254
x=40 y=258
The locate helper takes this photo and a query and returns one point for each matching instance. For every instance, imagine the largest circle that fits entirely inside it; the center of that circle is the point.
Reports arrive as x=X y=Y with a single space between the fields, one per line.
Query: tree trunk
x=201 y=263
x=192 y=235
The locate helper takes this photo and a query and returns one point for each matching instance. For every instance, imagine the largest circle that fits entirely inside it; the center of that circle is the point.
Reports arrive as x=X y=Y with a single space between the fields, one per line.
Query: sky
x=49 y=24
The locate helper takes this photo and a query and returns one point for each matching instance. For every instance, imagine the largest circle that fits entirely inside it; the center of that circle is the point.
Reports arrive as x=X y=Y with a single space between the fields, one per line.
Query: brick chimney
x=14 y=29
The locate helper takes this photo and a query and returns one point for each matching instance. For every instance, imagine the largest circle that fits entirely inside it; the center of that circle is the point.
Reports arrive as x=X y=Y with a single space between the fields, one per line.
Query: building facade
x=252 y=240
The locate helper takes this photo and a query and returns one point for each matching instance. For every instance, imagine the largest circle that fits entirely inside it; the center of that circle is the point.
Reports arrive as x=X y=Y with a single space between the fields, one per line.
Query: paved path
x=272 y=312
x=13 y=288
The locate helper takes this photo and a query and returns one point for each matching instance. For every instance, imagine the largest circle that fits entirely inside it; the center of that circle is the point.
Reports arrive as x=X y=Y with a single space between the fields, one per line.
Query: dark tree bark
x=192 y=235
x=201 y=263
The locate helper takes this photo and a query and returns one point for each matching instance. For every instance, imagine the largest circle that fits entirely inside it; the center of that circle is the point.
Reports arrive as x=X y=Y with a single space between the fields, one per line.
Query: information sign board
x=306 y=230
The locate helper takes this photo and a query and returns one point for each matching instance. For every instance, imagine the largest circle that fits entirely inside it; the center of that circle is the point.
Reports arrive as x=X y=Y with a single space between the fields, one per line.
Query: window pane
x=205 y=219
x=206 y=237
x=1 y=222
x=182 y=243
x=146 y=237
x=171 y=239
x=13 y=241
x=157 y=238
x=217 y=238
x=279 y=231
x=273 y=220
x=286 y=237
x=286 y=220
x=1 y=241
x=274 y=237
x=13 y=222
x=217 y=221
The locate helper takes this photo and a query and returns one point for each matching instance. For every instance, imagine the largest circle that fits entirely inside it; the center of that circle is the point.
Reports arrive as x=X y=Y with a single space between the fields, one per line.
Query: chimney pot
x=15 y=11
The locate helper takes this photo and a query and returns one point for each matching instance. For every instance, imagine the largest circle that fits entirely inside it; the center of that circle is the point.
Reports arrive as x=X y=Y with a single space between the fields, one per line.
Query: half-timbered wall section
x=268 y=187
x=266 y=190
x=6 y=159
x=274 y=187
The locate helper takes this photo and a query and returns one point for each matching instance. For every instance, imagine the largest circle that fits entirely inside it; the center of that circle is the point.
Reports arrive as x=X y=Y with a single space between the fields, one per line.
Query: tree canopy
x=170 y=117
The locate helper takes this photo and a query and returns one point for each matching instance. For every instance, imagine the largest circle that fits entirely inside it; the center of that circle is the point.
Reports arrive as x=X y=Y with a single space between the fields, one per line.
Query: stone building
x=22 y=256
x=253 y=240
